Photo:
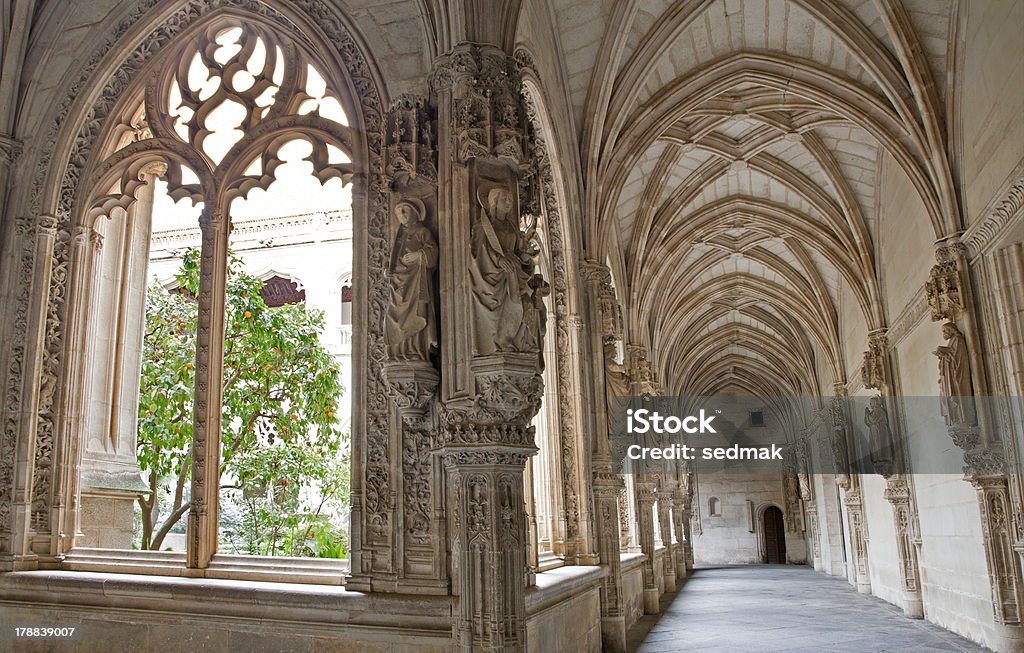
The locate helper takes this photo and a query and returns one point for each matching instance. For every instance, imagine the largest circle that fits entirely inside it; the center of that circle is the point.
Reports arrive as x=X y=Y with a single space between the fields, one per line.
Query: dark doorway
x=774 y=536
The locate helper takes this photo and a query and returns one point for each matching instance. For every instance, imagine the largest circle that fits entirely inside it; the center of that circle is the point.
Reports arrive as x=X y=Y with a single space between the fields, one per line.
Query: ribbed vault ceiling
x=732 y=163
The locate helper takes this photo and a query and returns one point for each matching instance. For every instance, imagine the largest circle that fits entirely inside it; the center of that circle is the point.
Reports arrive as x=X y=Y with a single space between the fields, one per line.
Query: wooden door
x=774 y=536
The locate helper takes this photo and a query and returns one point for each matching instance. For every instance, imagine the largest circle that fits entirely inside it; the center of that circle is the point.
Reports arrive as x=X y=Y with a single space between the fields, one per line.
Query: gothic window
x=346 y=303
x=714 y=507
x=235 y=155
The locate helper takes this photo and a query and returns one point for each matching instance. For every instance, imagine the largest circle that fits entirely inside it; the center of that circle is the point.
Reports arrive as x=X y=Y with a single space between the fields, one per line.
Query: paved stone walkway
x=782 y=608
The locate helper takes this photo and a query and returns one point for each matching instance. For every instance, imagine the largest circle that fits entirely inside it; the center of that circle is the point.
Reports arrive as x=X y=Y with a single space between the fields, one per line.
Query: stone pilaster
x=681 y=523
x=607 y=487
x=610 y=499
x=36 y=238
x=908 y=543
x=951 y=298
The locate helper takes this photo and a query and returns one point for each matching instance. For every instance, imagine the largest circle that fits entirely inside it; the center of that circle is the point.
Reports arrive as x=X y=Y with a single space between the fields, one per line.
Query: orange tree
x=284 y=463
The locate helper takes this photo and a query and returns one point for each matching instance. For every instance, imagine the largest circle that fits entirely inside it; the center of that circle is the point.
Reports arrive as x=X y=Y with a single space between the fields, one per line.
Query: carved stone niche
x=945 y=300
x=410 y=142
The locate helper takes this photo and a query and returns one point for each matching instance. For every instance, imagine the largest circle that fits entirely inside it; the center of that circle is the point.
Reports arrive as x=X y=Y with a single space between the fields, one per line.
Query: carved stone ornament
x=412 y=383
x=508 y=298
x=984 y=463
x=873 y=369
x=1004 y=566
x=943 y=286
x=488 y=120
x=410 y=142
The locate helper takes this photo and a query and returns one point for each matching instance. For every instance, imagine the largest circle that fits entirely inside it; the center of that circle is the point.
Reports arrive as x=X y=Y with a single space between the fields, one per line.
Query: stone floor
x=782 y=608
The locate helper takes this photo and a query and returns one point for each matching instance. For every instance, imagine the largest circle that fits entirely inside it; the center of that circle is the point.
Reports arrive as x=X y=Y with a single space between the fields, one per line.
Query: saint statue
x=501 y=270
x=955 y=378
x=877 y=420
x=410 y=325
x=535 y=316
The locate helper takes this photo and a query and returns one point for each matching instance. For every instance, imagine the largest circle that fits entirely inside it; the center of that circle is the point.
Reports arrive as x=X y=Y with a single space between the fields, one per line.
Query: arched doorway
x=774 y=536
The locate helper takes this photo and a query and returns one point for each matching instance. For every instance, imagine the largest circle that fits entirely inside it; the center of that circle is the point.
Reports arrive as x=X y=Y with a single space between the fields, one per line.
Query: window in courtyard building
x=714 y=507
x=240 y=231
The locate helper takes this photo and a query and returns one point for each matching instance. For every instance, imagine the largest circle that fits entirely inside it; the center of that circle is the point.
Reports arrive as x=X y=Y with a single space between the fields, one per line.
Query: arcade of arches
x=553 y=203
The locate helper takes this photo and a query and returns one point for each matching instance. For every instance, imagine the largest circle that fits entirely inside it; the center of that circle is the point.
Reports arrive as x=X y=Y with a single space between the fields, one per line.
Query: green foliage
x=283 y=458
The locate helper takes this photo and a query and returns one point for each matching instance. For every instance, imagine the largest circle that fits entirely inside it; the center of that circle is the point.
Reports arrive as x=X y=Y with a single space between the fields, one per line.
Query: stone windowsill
x=561 y=584
x=631 y=561
x=210 y=597
x=317 y=571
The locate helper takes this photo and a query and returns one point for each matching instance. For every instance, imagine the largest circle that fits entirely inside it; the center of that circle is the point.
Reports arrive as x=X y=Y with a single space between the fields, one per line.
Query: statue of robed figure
x=410 y=325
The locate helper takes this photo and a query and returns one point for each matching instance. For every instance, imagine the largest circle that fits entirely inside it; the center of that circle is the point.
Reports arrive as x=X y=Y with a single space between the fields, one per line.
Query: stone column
x=646 y=493
x=613 y=615
x=417 y=560
x=893 y=463
x=54 y=472
x=680 y=522
x=35 y=239
x=490 y=342
x=608 y=487
x=110 y=476
x=665 y=523
x=202 y=516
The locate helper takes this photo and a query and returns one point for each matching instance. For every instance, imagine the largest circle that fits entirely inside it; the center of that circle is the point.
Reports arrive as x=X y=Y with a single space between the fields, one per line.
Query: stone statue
x=877 y=420
x=955 y=378
x=410 y=325
x=535 y=315
x=501 y=270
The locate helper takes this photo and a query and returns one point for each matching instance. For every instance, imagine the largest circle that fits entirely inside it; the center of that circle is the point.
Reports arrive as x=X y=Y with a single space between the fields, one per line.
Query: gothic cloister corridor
x=761 y=608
